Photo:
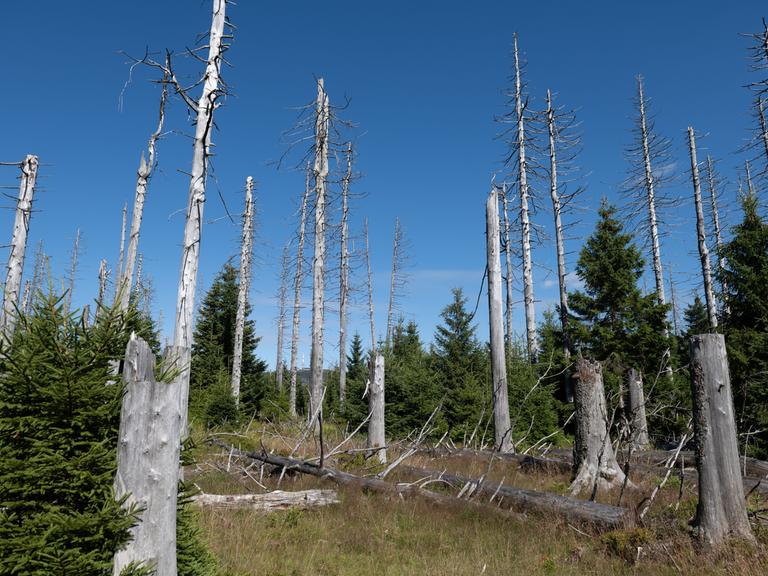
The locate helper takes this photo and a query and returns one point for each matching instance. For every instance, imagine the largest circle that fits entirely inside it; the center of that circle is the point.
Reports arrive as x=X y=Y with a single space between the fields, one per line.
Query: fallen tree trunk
x=600 y=516
x=269 y=502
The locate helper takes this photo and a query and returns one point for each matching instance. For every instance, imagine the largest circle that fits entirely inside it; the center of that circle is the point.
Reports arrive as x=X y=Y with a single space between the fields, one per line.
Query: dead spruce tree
x=297 y=284
x=701 y=234
x=282 y=296
x=638 y=423
x=246 y=254
x=344 y=277
x=501 y=419
x=713 y=181
x=397 y=280
x=121 y=258
x=508 y=277
x=320 y=172
x=594 y=460
x=375 y=388
x=721 y=512
x=18 y=246
x=142 y=180
x=72 y=272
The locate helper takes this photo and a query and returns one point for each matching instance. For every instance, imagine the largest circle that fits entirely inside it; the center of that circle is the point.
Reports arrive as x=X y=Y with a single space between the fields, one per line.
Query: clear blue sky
x=425 y=81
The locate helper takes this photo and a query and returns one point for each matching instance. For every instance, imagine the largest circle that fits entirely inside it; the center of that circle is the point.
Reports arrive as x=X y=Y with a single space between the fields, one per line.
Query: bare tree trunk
x=718 y=235
x=593 y=458
x=701 y=234
x=318 y=262
x=148 y=462
x=185 y=299
x=525 y=224
x=376 y=439
x=344 y=280
x=18 y=246
x=297 y=299
x=722 y=511
x=651 y=199
x=393 y=282
x=639 y=423
x=282 y=296
x=142 y=178
x=673 y=300
x=103 y=276
x=501 y=420
x=37 y=276
x=242 y=292
x=72 y=272
x=119 y=279
x=370 y=287
x=508 y=277
x=25 y=299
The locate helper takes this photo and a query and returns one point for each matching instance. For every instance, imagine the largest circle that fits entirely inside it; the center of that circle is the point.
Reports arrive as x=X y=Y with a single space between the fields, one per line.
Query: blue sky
x=424 y=81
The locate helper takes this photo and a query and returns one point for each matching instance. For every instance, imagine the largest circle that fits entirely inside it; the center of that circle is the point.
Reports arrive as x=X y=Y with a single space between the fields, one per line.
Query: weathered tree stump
x=376 y=437
x=593 y=458
x=721 y=512
x=638 y=421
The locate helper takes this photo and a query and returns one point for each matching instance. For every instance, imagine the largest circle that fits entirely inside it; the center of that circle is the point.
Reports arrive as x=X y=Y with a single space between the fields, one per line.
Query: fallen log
x=526 y=461
x=270 y=501
x=599 y=516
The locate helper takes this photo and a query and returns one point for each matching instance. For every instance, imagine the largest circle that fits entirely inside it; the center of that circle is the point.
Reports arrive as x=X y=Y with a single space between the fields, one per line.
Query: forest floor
x=384 y=535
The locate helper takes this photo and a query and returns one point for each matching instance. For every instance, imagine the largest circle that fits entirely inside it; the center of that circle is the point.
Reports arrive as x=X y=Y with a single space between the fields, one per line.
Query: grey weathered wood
x=320 y=169
x=297 y=282
x=721 y=512
x=509 y=299
x=712 y=188
x=282 y=297
x=638 y=421
x=270 y=501
x=376 y=434
x=148 y=461
x=72 y=272
x=593 y=457
x=246 y=254
x=344 y=278
x=701 y=234
x=18 y=247
x=395 y=280
x=103 y=277
x=190 y=259
x=121 y=258
x=370 y=285
x=500 y=394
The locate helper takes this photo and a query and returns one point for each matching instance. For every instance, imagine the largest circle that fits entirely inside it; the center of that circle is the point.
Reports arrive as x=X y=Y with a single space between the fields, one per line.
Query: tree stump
x=638 y=421
x=721 y=512
x=376 y=440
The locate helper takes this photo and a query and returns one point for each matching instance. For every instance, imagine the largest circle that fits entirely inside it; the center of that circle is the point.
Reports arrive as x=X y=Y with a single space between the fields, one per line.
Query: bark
x=344 y=279
x=701 y=234
x=148 y=461
x=508 y=277
x=721 y=511
x=718 y=233
x=320 y=170
x=501 y=420
x=638 y=422
x=270 y=502
x=244 y=285
x=185 y=299
x=376 y=439
x=73 y=271
x=297 y=300
x=18 y=247
x=396 y=247
x=525 y=224
x=283 y=295
x=593 y=457
x=651 y=199
x=121 y=258
x=142 y=180
x=103 y=277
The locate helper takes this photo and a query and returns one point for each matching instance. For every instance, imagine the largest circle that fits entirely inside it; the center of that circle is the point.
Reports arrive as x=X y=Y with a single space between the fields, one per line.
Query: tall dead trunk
x=763 y=128
x=148 y=462
x=501 y=420
x=396 y=247
x=376 y=438
x=185 y=298
x=142 y=179
x=593 y=458
x=525 y=223
x=638 y=421
x=103 y=277
x=282 y=296
x=721 y=511
x=18 y=247
x=121 y=258
x=244 y=285
x=508 y=277
x=712 y=185
x=673 y=301
x=297 y=298
x=370 y=286
x=72 y=272
x=701 y=234
x=37 y=276
x=26 y=297
x=322 y=111
x=344 y=279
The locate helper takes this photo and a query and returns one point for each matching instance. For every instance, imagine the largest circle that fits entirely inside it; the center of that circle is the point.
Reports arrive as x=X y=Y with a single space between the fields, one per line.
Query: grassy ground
x=374 y=534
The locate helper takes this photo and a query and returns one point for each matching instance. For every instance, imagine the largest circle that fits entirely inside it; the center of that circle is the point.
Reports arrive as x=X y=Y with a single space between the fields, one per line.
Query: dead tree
x=721 y=512
x=509 y=300
x=281 y=296
x=673 y=300
x=594 y=460
x=26 y=297
x=501 y=419
x=375 y=388
x=638 y=422
x=37 y=276
x=297 y=298
x=121 y=258
x=148 y=462
x=712 y=187
x=396 y=280
x=204 y=109
x=142 y=179
x=344 y=278
x=320 y=171
x=103 y=277
x=246 y=253
x=72 y=271
x=701 y=234
x=18 y=247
